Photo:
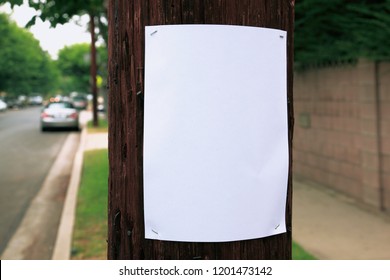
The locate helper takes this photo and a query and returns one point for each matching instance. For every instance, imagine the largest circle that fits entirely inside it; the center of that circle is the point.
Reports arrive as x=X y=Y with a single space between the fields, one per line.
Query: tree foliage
x=341 y=30
x=62 y=11
x=325 y=31
x=74 y=64
x=24 y=67
x=12 y=2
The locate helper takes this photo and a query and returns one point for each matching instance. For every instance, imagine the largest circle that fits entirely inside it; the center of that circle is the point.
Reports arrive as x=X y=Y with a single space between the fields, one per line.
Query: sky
x=51 y=39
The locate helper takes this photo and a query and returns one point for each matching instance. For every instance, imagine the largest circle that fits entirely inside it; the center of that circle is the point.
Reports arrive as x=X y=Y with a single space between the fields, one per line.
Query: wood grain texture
x=127 y=20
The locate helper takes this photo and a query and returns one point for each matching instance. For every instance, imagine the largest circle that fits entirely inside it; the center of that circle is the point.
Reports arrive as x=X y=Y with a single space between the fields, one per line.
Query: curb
x=63 y=244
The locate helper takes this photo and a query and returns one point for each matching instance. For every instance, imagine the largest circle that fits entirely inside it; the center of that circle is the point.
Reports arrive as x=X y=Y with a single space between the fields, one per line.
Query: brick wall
x=384 y=90
x=342 y=133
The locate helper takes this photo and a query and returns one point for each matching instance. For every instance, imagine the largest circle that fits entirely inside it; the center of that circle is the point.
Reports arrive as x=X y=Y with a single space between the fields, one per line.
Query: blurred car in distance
x=3 y=106
x=58 y=98
x=59 y=115
x=11 y=102
x=35 y=100
x=22 y=101
x=80 y=102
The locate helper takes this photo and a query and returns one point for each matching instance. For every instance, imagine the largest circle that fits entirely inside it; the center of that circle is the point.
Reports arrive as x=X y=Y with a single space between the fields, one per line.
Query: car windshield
x=60 y=105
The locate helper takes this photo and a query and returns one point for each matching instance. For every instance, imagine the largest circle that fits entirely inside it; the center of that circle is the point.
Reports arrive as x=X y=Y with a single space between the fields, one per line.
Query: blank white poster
x=215 y=133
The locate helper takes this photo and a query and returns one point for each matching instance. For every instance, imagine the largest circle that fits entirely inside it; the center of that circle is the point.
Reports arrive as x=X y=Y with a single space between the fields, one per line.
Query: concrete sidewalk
x=333 y=227
x=325 y=223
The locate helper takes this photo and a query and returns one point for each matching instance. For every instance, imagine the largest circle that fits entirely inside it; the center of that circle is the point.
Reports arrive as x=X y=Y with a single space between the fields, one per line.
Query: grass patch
x=298 y=253
x=90 y=232
x=103 y=126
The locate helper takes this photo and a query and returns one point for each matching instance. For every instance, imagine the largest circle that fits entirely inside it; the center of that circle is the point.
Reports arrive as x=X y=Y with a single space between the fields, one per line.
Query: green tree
x=24 y=66
x=62 y=11
x=74 y=64
x=341 y=30
x=12 y=2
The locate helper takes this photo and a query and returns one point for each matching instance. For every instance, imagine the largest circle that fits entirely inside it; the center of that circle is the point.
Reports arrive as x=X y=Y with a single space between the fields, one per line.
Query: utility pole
x=127 y=21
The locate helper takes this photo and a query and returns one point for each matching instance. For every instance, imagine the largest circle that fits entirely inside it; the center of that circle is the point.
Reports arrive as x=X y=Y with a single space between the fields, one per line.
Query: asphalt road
x=26 y=156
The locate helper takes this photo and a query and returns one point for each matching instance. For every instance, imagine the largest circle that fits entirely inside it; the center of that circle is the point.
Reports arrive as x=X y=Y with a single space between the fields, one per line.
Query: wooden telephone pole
x=127 y=21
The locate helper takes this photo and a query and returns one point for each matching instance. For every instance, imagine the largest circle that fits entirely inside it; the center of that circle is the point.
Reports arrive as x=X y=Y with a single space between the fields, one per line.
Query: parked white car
x=59 y=115
x=3 y=106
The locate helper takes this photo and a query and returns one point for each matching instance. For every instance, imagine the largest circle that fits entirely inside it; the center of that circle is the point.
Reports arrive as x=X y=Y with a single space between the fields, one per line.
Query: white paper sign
x=215 y=138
